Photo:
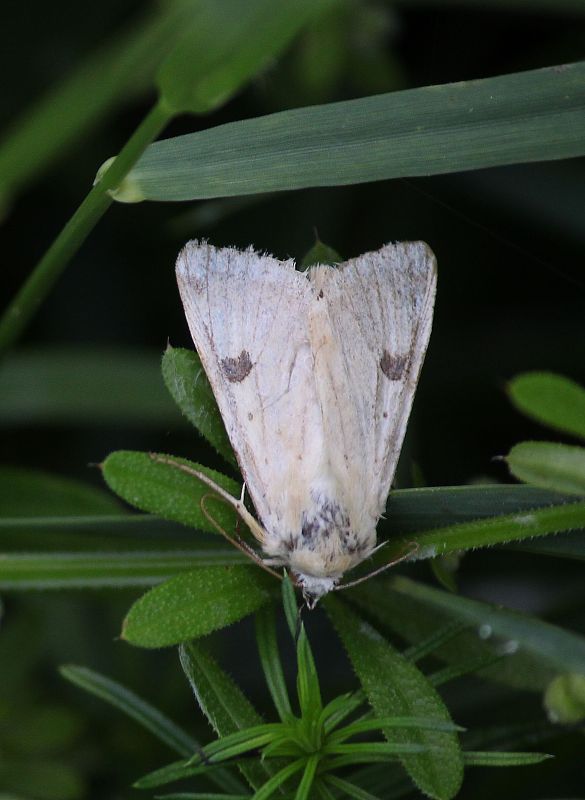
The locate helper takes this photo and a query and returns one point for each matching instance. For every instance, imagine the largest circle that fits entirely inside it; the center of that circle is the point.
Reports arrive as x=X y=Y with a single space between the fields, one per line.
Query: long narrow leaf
x=133 y=706
x=92 y=570
x=526 y=116
x=271 y=663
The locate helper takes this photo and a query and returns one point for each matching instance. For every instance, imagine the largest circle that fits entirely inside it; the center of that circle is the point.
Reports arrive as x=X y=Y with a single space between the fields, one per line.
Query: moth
x=314 y=374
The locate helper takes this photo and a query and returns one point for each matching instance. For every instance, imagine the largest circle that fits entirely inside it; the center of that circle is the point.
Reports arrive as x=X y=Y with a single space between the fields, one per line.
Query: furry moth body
x=314 y=374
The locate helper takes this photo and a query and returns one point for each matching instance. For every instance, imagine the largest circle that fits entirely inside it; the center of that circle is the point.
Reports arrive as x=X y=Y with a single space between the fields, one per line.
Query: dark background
x=509 y=242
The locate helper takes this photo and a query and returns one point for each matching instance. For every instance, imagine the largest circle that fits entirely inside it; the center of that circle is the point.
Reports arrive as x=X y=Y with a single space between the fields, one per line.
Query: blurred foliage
x=509 y=240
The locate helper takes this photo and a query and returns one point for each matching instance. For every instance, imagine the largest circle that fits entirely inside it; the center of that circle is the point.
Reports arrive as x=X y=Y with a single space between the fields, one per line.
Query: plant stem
x=39 y=283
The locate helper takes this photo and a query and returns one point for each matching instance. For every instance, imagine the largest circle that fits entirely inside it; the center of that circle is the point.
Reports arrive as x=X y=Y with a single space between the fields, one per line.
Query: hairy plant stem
x=42 y=279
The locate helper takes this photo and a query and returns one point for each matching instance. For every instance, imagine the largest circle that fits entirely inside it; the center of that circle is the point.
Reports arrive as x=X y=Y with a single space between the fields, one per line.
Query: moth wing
x=379 y=309
x=247 y=314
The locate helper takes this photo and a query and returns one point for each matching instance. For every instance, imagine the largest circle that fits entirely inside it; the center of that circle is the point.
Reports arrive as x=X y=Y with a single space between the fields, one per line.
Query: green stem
x=39 y=283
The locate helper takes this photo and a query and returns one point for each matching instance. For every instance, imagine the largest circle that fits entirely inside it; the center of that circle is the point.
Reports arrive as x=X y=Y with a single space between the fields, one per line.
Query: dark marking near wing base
x=393 y=366
x=236 y=369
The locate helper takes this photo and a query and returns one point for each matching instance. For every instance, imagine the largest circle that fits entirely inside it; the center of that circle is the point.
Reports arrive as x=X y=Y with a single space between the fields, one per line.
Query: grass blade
x=526 y=116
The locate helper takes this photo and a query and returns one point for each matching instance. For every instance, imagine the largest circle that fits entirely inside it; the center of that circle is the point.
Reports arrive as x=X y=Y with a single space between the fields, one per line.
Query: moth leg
x=236 y=541
x=408 y=553
x=257 y=529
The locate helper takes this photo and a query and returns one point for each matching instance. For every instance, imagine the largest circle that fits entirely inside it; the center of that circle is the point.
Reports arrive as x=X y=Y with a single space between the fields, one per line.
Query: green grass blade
x=187 y=382
x=491 y=531
x=93 y=570
x=394 y=686
x=271 y=662
x=525 y=116
x=133 y=706
x=194 y=604
x=550 y=399
x=560 y=467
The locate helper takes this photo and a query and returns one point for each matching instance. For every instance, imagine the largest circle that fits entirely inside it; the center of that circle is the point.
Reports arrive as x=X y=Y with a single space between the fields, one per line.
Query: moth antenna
x=238 y=505
x=238 y=543
x=405 y=556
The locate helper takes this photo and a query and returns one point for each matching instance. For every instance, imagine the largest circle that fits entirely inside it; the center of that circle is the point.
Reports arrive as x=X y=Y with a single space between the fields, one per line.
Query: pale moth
x=314 y=374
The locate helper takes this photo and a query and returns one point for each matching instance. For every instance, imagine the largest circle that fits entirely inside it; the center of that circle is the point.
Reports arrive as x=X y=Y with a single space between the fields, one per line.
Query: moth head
x=313 y=588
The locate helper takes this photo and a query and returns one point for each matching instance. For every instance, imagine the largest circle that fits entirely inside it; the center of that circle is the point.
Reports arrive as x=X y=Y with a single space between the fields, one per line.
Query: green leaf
x=498 y=759
x=29 y=493
x=289 y=602
x=167 y=491
x=564 y=699
x=304 y=789
x=92 y=570
x=277 y=780
x=222 y=701
x=194 y=604
x=555 y=647
x=396 y=687
x=187 y=382
x=226 y=46
x=550 y=399
x=488 y=532
x=521 y=117
x=271 y=663
x=560 y=467
x=86 y=386
x=413 y=510
x=133 y=706
x=308 y=689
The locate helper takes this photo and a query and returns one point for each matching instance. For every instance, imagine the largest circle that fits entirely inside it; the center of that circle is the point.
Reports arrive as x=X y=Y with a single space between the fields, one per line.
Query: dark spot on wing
x=250 y=416
x=393 y=366
x=236 y=369
x=320 y=295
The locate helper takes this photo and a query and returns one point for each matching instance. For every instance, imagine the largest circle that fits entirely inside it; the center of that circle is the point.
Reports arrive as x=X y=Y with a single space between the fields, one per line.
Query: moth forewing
x=314 y=374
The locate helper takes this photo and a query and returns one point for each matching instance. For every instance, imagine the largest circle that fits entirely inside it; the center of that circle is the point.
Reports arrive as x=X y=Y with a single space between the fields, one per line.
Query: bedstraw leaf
x=560 y=467
x=187 y=382
x=395 y=687
x=194 y=604
x=551 y=399
x=223 y=703
x=522 y=117
x=164 y=490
